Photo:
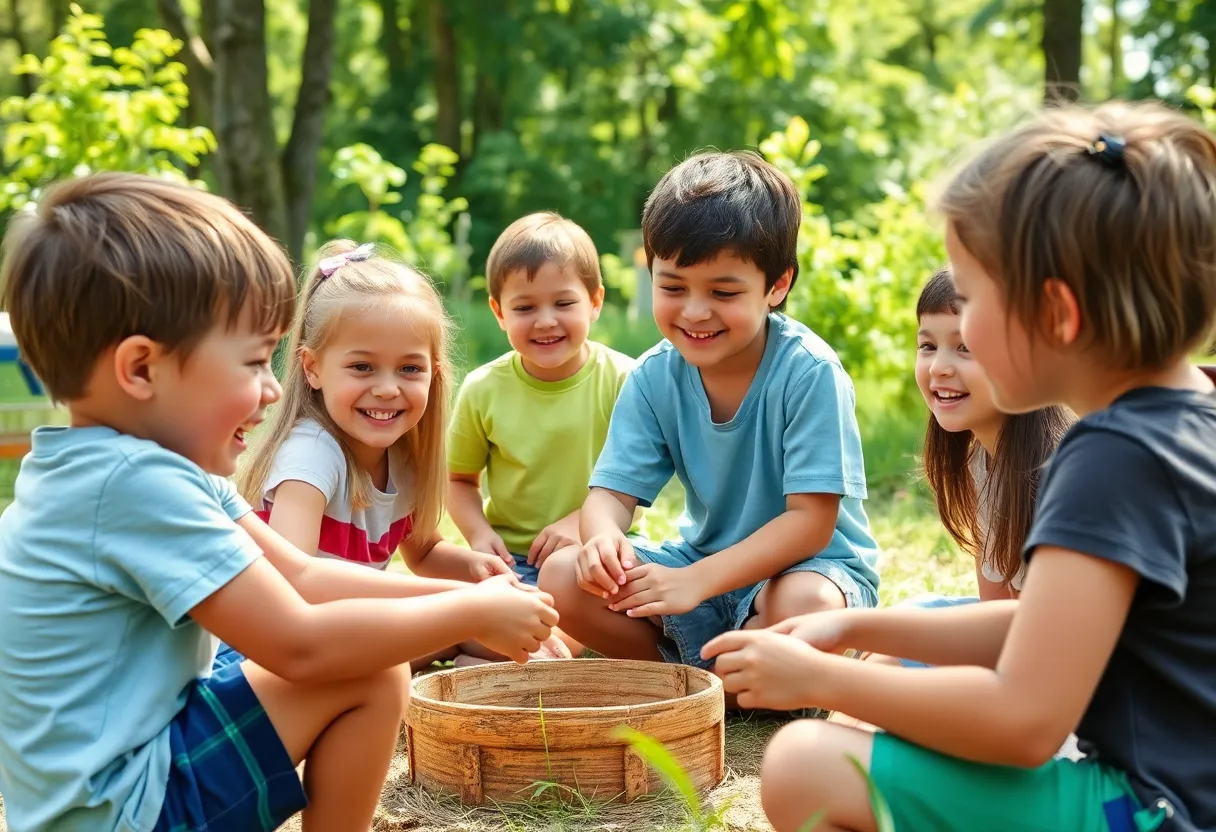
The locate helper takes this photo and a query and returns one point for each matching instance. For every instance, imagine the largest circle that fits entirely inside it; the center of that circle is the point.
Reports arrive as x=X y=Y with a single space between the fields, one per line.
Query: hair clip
x=331 y=264
x=1108 y=150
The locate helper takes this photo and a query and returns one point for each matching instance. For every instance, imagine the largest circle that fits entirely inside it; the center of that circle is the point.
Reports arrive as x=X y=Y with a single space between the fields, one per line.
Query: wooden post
x=471 y=790
x=636 y=781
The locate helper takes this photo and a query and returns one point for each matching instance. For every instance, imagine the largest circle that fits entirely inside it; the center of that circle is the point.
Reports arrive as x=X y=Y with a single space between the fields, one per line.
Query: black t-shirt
x=1135 y=484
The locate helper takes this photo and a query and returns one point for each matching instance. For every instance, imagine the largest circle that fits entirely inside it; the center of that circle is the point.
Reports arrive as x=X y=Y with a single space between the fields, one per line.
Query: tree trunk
x=390 y=39
x=17 y=34
x=447 y=77
x=300 y=155
x=60 y=9
x=248 y=170
x=488 y=114
x=1062 y=50
x=200 y=70
x=1115 y=45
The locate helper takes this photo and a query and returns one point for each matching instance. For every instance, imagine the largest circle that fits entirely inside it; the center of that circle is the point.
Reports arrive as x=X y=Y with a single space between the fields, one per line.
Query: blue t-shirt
x=794 y=433
x=109 y=543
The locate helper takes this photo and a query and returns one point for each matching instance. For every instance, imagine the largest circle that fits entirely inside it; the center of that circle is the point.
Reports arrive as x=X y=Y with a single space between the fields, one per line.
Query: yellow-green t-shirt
x=537 y=441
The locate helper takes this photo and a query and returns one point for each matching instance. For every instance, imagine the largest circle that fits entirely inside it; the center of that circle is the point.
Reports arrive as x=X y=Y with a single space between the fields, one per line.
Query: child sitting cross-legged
x=750 y=410
x=534 y=420
x=1083 y=254
x=152 y=310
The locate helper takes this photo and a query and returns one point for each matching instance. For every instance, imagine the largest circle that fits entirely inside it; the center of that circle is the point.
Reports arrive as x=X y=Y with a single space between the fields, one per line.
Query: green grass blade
x=883 y=821
x=813 y=821
x=656 y=755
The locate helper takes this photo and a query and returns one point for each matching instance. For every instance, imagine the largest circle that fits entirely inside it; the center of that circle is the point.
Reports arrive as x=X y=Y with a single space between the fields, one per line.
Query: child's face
x=374 y=375
x=715 y=311
x=204 y=407
x=951 y=380
x=547 y=319
x=996 y=339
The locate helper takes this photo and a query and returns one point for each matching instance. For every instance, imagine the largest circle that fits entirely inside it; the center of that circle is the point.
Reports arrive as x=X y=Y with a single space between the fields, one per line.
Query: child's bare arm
x=296 y=514
x=1016 y=714
x=966 y=635
x=439 y=558
x=466 y=510
x=319 y=580
x=606 y=512
x=261 y=615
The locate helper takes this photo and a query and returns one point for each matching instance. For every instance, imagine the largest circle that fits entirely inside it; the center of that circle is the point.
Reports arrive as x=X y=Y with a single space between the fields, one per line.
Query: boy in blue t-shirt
x=152 y=310
x=750 y=409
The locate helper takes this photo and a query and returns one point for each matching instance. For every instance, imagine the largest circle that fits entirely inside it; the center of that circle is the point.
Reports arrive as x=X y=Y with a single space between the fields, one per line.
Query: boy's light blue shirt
x=794 y=433
x=109 y=543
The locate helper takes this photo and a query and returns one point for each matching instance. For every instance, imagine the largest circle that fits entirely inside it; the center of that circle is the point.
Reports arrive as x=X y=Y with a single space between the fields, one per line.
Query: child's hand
x=824 y=631
x=550 y=539
x=765 y=669
x=492 y=544
x=652 y=589
x=483 y=566
x=519 y=618
x=602 y=563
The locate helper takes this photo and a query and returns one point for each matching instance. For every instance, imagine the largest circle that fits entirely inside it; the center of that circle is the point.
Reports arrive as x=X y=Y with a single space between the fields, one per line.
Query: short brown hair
x=725 y=202
x=544 y=237
x=1130 y=229
x=112 y=255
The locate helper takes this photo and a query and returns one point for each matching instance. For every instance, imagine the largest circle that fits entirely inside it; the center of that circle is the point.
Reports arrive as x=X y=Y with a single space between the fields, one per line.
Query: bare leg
x=797 y=593
x=586 y=617
x=347 y=730
x=790 y=797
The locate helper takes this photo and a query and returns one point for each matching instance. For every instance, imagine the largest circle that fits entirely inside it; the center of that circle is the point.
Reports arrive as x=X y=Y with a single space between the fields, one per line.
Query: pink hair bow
x=331 y=264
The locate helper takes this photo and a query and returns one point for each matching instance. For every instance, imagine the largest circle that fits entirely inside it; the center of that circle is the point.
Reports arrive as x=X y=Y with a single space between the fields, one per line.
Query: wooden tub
x=477 y=731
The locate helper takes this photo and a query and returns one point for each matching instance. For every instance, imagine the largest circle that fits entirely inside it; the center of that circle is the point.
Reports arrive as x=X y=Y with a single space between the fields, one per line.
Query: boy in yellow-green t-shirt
x=534 y=419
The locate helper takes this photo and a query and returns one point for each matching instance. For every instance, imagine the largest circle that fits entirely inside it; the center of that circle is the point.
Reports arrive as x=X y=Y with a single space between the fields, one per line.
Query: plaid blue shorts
x=229 y=771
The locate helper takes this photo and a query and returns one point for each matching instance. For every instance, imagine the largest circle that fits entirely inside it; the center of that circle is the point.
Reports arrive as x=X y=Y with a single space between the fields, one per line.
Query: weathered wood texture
x=476 y=732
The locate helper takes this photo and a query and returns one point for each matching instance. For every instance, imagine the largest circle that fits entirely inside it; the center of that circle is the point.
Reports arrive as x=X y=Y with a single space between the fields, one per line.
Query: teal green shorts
x=935 y=793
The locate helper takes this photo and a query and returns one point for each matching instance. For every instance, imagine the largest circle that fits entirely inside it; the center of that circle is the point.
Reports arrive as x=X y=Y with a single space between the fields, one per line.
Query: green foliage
x=420 y=236
x=98 y=108
x=656 y=755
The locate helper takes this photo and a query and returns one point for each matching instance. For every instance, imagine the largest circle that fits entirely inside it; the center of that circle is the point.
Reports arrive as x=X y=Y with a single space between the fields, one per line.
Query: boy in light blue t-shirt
x=750 y=410
x=125 y=549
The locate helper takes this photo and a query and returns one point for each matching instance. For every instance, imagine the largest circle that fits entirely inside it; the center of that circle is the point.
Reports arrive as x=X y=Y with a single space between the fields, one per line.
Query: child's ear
x=597 y=303
x=1061 y=312
x=781 y=288
x=138 y=360
x=497 y=309
x=308 y=363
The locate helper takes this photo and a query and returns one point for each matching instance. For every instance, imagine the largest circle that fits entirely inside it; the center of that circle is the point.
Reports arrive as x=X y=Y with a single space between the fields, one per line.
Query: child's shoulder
x=492 y=374
x=798 y=347
x=616 y=361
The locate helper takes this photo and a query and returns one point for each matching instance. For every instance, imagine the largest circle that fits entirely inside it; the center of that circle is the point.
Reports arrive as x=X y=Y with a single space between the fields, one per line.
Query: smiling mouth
x=948 y=396
x=550 y=341
x=381 y=415
x=701 y=336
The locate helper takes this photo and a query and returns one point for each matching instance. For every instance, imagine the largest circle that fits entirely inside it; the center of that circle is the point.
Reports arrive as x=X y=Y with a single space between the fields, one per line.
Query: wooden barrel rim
x=419 y=699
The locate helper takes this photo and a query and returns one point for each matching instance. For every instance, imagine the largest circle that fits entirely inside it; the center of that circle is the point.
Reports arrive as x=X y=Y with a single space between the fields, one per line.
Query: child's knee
x=799 y=593
x=390 y=689
x=558 y=574
x=791 y=794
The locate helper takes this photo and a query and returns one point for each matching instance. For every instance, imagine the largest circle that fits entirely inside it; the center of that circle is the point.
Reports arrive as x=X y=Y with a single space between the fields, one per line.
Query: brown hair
x=1024 y=444
x=421 y=451
x=734 y=202
x=544 y=237
x=112 y=255
x=1126 y=224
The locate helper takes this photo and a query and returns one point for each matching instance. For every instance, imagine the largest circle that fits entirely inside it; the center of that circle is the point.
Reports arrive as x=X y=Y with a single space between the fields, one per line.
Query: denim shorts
x=228 y=771
x=684 y=635
x=932 y=601
x=526 y=572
